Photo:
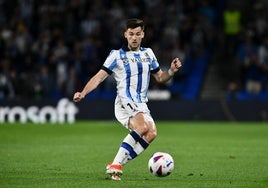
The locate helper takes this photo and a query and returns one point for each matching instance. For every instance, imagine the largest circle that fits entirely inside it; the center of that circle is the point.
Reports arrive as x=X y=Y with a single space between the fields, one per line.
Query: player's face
x=134 y=38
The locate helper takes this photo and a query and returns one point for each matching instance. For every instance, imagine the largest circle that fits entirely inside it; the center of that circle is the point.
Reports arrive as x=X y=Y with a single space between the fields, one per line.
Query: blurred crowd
x=50 y=48
x=245 y=49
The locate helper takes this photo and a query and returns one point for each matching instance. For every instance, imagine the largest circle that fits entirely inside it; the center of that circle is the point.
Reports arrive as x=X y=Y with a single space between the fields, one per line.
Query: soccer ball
x=161 y=164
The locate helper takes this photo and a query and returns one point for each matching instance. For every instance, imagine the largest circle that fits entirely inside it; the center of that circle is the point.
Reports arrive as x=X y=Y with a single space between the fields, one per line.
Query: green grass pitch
x=206 y=154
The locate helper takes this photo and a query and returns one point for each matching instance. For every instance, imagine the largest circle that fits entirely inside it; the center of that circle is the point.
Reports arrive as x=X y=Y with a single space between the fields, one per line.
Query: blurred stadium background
x=50 y=48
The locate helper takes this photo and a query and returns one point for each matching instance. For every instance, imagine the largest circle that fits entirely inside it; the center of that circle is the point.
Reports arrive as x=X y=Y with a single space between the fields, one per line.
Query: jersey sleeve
x=110 y=62
x=154 y=63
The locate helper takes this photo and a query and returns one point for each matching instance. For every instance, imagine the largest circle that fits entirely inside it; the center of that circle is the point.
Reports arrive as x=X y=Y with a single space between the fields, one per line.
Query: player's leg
x=115 y=167
x=143 y=132
x=144 y=124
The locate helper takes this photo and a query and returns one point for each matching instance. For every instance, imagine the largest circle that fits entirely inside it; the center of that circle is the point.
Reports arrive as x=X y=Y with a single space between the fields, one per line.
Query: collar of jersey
x=125 y=48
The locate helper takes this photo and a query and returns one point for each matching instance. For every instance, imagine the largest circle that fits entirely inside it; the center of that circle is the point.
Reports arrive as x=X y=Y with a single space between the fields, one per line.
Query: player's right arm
x=91 y=85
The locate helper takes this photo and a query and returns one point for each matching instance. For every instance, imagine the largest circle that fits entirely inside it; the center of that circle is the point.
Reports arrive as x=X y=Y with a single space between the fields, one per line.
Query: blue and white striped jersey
x=131 y=70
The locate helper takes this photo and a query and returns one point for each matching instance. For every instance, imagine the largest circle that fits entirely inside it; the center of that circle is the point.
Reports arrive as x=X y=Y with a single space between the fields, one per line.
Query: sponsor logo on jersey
x=141 y=60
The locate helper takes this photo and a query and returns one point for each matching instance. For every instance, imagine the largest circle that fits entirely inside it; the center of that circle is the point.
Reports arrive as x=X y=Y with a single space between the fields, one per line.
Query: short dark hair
x=133 y=23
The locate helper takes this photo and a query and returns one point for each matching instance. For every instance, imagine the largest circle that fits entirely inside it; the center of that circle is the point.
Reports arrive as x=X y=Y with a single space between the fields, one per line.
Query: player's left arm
x=163 y=76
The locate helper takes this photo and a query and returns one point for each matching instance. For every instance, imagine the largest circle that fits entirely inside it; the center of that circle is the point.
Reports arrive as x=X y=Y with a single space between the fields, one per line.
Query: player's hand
x=78 y=97
x=175 y=65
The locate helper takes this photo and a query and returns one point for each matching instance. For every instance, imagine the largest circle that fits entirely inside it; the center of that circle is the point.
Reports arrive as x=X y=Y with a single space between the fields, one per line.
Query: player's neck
x=133 y=49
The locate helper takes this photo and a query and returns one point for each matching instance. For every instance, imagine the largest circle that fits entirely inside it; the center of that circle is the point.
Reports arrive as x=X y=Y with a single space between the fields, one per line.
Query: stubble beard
x=134 y=47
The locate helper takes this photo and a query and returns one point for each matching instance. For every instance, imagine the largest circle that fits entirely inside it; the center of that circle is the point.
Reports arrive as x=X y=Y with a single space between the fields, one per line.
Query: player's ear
x=125 y=34
x=142 y=34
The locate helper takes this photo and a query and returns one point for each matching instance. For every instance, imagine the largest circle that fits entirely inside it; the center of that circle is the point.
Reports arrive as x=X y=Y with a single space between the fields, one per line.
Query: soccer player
x=131 y=67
